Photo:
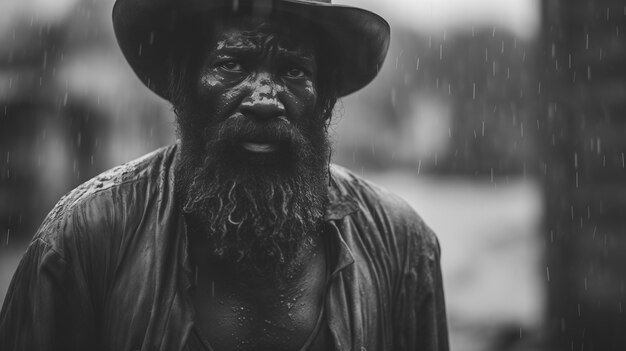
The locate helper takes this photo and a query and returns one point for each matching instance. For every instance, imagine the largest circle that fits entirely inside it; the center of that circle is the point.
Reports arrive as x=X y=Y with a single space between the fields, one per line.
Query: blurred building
x=583 y=144
x=450 y=103
x=69 y=108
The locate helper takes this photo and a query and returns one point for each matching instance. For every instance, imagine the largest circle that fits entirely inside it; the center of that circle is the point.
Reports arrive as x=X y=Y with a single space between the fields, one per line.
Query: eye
x=230 y=66
x=296 y=73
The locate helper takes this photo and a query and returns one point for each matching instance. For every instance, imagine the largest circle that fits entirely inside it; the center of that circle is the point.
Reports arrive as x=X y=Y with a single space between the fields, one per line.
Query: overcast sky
x=519 y=16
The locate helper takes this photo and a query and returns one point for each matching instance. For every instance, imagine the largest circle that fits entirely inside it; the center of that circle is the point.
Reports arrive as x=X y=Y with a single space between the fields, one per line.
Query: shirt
x=109 y=270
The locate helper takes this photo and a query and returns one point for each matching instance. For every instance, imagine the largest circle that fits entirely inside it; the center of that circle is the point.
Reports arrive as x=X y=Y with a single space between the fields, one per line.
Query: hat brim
x=146 y=32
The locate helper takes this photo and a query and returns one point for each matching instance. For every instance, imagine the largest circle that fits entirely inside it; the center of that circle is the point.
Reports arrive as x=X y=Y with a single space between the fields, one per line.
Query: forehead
x=262 y=34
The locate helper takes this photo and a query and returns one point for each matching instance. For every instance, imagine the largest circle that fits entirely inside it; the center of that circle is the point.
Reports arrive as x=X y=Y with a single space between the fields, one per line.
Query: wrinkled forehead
x=263 y=34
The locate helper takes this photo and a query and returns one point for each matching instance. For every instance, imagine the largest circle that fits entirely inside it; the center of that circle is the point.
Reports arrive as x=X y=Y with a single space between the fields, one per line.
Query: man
x=241 y=236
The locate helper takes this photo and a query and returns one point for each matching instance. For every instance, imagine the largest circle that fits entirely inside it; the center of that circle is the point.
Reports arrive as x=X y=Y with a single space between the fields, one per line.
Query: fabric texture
x=108 y=269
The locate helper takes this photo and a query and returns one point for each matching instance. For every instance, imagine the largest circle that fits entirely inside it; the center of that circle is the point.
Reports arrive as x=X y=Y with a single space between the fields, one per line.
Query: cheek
x=215 y=96
x=209 y=81
x=302 y=102
x=210 y=86
x=310 y=93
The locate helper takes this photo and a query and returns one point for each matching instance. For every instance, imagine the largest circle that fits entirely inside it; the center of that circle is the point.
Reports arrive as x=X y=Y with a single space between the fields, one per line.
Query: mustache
x=240 y=128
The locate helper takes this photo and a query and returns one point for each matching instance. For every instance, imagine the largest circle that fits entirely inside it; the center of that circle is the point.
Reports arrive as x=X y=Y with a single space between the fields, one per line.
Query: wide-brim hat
x=147 y=32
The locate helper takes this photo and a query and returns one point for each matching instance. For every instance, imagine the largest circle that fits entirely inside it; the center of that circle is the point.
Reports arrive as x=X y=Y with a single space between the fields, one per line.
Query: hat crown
x=322 y=1
x=236 y=3
x=243 y=3
x=261 y=1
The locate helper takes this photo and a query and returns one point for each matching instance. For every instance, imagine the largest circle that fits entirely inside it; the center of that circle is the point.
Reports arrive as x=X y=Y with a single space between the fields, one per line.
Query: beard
x=255 y=210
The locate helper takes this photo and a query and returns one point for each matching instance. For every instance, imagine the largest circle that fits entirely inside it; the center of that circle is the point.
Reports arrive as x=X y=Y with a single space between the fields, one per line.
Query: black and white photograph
x=312 y=175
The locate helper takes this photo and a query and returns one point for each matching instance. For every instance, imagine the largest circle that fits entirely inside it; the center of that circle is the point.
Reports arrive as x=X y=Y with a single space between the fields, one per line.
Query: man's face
x=258 y=74
x=254 y=146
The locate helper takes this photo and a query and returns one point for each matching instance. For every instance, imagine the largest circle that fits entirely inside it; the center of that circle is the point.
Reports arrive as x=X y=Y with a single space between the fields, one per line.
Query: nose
x=263 y=103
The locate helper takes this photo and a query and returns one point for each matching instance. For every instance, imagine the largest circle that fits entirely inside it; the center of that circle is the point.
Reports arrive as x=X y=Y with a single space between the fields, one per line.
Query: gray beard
x=256 y=217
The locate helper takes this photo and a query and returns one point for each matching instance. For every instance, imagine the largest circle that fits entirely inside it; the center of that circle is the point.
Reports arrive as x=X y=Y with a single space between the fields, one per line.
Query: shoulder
x=106 y=199
x=383 y=213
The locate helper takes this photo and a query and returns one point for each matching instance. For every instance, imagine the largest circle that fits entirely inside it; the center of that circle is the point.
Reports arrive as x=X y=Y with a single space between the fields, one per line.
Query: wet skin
x=268 y=78
x=247 y=314
x=259 y=75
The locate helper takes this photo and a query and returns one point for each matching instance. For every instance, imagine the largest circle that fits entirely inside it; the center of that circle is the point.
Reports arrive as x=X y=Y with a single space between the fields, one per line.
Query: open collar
x=340 y=205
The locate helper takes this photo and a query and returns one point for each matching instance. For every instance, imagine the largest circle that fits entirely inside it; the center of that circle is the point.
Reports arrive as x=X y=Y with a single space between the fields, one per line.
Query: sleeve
x=419 y=309
x=44 y=308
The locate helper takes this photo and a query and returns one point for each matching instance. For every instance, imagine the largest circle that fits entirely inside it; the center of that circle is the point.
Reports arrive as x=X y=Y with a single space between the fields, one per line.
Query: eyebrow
x=250 y=51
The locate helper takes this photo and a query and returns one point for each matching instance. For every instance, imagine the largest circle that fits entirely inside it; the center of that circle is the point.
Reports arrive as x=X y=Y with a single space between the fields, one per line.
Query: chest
x=247 y=314
x=228 y=321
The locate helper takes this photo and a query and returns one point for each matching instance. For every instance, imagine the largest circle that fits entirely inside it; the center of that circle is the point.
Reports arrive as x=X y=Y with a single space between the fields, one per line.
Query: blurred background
x=502 y=122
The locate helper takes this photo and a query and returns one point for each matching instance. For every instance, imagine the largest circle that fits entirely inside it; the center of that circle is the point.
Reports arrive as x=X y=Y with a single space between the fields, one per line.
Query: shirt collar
x=340 y=253
x=340 y=205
